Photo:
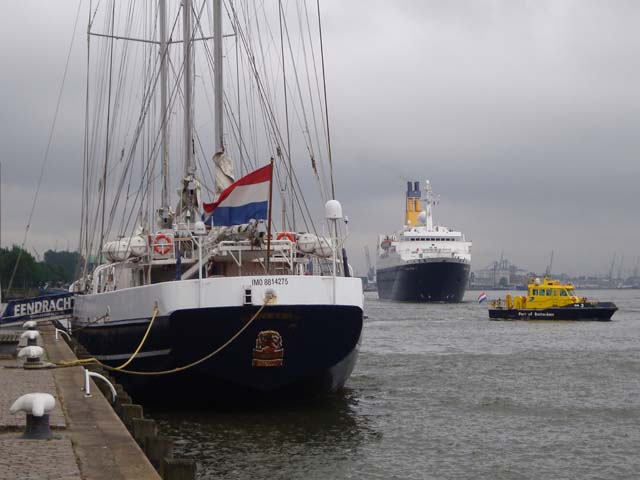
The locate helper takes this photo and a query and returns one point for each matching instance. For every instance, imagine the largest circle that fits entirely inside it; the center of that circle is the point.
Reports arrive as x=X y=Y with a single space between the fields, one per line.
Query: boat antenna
x=547 y=272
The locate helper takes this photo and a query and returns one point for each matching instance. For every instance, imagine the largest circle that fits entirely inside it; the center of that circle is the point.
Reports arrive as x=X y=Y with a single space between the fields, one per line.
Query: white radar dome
x=332 y=210
x=200 y=228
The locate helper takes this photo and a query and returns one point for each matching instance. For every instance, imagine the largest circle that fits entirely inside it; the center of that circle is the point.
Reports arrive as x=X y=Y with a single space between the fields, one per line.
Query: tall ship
x=215 y=291
x=422 y=262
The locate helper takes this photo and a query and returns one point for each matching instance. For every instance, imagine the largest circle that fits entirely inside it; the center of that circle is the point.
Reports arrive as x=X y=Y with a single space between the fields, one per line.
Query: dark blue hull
x=316 y=348
x=441 y=281
x=601 y=311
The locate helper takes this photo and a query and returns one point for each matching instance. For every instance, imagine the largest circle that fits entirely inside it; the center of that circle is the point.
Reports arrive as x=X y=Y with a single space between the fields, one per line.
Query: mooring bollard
x=30 y=325
x=33 y=356
x=31 y=336
x=37 y=407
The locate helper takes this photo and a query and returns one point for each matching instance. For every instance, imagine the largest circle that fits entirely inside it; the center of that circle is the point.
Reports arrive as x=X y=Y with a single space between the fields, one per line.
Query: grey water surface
x=441 y=392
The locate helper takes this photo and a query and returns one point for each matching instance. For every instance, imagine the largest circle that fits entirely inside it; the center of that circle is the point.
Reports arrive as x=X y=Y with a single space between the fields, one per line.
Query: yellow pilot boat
x=550 y=300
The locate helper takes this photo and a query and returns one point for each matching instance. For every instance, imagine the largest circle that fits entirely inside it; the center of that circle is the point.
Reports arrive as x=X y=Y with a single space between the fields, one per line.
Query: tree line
x=57 y=269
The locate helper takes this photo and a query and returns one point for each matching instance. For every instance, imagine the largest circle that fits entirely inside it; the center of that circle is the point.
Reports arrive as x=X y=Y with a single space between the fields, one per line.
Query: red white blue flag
x=482 y=297
x=245 y=199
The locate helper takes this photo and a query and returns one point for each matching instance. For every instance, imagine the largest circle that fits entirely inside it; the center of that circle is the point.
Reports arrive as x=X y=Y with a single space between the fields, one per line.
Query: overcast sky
x=525 y=116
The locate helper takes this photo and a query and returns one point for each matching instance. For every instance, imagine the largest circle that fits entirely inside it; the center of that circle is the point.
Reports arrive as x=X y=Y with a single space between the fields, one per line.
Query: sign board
x=38 y=307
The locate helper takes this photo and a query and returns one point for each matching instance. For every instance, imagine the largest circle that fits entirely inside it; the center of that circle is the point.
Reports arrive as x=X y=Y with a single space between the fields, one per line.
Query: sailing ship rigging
x=209 y=269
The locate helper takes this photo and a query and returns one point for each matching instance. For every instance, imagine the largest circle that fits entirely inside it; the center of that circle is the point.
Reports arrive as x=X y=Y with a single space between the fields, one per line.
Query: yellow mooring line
x=162 y=372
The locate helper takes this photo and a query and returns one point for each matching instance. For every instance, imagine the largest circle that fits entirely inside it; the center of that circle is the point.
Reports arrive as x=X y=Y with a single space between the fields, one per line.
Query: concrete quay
x=90 y=441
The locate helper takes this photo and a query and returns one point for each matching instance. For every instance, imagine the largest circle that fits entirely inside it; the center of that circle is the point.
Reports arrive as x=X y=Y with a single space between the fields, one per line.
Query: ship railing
x=282 y=253
x=421 y=254
x=163 y=254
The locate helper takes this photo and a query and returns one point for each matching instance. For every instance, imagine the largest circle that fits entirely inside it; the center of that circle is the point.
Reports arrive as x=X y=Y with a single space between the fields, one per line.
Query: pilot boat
x=550 y=300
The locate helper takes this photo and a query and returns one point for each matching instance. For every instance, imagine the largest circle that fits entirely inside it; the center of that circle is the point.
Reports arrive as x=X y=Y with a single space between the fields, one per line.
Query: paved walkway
x=30 y=459
x=90 y=441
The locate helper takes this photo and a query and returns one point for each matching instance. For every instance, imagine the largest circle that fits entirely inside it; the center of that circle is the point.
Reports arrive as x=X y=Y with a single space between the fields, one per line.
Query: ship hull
x=305 y=340
x=319 y=349
x=428 y=281
x=602 y=311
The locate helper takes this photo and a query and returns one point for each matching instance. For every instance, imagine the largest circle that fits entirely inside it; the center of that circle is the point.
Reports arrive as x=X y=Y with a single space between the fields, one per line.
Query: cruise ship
x=422 y=262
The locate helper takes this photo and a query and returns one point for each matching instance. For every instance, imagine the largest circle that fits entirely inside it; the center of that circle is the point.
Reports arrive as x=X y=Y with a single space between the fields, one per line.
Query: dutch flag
x=245 y=199
x=482 y=297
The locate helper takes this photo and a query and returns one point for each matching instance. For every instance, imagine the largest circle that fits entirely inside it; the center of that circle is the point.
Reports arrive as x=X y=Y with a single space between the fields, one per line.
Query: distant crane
x=547 y=271
x=370 y=270
x=620 y=267
x=613 y=265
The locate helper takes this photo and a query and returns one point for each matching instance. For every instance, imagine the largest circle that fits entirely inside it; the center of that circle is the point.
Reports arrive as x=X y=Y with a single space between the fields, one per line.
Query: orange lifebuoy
x=162 y=244
x=286 y=235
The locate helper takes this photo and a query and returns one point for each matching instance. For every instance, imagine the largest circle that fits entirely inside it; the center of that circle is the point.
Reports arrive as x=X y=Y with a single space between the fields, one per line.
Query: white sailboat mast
x=163 y=106
x=189 y=167
x=217 y=80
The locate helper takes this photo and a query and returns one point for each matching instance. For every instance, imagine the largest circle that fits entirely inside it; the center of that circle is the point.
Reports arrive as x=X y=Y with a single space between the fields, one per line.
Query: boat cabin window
x=548 y=292
x=541 y=292
x=535 y=291
x=563 y=293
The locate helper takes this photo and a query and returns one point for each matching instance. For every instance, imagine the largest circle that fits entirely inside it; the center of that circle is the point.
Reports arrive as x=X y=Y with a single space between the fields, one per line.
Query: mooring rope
x=121 y=368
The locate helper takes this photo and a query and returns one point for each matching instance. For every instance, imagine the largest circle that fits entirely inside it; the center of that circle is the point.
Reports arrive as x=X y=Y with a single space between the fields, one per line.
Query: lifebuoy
x=286 y=235
x=162 y=244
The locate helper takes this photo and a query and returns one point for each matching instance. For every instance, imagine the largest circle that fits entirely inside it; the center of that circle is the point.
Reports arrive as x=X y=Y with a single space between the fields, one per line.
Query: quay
x=90 y=441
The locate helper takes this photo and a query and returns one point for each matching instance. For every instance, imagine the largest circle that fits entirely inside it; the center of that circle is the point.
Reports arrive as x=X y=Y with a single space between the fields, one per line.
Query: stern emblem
x=268 y=351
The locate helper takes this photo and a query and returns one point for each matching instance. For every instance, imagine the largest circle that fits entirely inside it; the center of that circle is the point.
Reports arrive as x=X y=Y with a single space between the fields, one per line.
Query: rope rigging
x=256 y=130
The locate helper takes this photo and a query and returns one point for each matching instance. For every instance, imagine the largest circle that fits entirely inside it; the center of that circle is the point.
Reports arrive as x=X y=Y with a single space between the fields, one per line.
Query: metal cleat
x=37 y=407
x=31 y=336
x=30 y=325
x=33 y=356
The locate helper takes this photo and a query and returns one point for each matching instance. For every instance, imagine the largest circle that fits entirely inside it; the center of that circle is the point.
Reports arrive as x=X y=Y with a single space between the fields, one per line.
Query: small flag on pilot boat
x=482 y=297
x=245 y=199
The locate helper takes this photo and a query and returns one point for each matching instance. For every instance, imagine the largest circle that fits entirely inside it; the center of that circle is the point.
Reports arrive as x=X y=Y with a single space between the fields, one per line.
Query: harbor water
x=441 y=392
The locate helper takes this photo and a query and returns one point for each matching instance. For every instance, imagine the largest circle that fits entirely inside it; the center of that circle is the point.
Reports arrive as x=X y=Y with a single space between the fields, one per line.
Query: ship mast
x=189 y=167
x=224 y=175
x=217 y=78
x=429 y=202
x=188 y=206
x=164 y=211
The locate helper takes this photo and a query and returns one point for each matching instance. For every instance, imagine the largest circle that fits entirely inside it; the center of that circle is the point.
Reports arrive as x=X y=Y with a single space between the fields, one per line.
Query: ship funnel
x=416 y=187
x=409 y=189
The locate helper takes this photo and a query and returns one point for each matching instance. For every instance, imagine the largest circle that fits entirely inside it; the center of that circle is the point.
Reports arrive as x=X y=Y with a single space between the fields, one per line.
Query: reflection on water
x=267 y=442
x=441 y=392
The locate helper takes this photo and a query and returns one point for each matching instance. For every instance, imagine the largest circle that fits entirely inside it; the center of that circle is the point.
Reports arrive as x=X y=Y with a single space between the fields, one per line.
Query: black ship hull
x=292 y=350
x=429 y=281
x=602 y=311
